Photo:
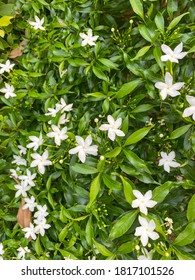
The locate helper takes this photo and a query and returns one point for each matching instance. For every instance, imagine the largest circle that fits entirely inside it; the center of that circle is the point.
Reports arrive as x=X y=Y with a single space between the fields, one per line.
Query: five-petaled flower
x=143 y=201
x=29 y=203
x=40 y=161
x=28 y=178
x=1 y=249
x=22 y=252
x=36 y=142
x=30 y=232
x=168 y=88
x=37 y=24
x=22 y=189
x=58 y=134
x=168 y=160
x=146 y=230
x=190 y=110
x=173 y=55
x=8 y=90
x=88 y=39
x=41 y=225
x=84 y=147
x=6 y=67
x=113 y=127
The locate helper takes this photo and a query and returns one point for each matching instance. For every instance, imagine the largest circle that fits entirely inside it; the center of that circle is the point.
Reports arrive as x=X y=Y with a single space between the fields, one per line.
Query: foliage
x=89 y=203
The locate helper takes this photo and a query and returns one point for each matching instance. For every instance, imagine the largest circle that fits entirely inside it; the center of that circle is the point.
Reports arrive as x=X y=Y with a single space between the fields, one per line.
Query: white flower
x=63 y=107
x=84 y=148
x=42 y=212
x=190 y=110
x=41 y=226
x=88 y=39
x=146 y=255
x=22 y=251
x=143 y=201
x=168 y=161
x=8 y=90
x=52 y=112
x=28 y=178
x=30 y=232
x=19 y=160
x=36 y=142
x=168 y=88
x=22 y=189
x=112 y=127
x=62 y=119
x=22 y=149
x=13 y=173
x=40 y=161
x=6 y=67
x=58 y=134
x=30 y=203
x=146 y=230
x=37 y=24
x=174 y=55
x=1 y=249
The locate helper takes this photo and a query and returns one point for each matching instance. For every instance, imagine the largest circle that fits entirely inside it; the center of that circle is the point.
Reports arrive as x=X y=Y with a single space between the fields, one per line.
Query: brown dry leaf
x=18 y=51
x=24 y=216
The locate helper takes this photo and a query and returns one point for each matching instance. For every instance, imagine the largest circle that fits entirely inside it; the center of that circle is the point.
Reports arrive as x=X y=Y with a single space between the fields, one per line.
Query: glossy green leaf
x=159 y=193
x=82 y=168
x=137 y=7
x=111 y=183
x=94 y=189
x=137 y=135
x=99 y=73
x=159 y=21
x=123 y=224
x=191 y=209
x=141 y=52
x=127 y=247
x=89 y=231
x=102 y=249
x=142 y=108
x=187 y=236
x=128 y=88
x=108 y=63
x=176 y=20
x=180 y=131
x=113 y=153
x=38 y=247
x=128 y=189
x=136 y=161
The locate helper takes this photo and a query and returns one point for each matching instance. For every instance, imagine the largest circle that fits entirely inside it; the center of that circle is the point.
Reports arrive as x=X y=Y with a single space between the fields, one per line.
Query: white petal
x=138 y=194
x=82 y=156
x=188 y=111
x=153 y=235
x=178 y=86
x=166 y=167
x=178 y=48
x=74 y=150
x=166 y=49
x=160 y=85
x=163 y=94
x=143 y=221
x=135 y=203
x=41 y=168
x=144 y=239
x=111 y=120
x=88 y=141
x=104 y=127
x=171 y=155
x=80 y=141
x=111 y=134
x=148 y=195
x=190 y=99
x=92 y=150
x=118 y=122
x=168 y=79
x=119 y=132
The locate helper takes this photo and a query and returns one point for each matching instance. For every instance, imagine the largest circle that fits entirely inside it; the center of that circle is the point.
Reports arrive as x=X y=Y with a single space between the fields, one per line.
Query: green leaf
x=191 y=209
x=187 y=236
x=63 y=233
x=159 y=193
x=110 y=183
x=102 y=249
x=38 y=247
x=122 y=225
x=145 y=33
x=137 y=135
x=135 y=160
x=128 y=190
x=113 y=153
x=100 y=74
x=94 y=190
x=89 y=232
x=141 y=52
x=82 y=168
x=137 y=7
x=127 y=247
x=142 y=108
x=77 y=62
x=108 y=63
x=127 y=88
x=159 y=21
x=179 y=131
x=176 y=20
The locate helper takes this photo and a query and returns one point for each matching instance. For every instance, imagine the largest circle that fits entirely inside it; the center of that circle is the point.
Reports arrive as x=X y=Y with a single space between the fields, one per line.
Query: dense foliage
x=97 y=140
